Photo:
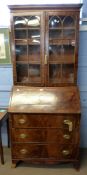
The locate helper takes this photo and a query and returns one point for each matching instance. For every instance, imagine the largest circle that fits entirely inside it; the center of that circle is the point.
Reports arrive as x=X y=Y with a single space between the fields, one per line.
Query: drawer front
x=45 y=136
x=54 y=121
x=52 y=151
x=34 y=151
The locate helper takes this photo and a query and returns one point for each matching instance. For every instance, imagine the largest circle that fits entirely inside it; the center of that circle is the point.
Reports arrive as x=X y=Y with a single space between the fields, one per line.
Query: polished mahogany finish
x=45 y=6
x=45 y=105
x=44 y=127
x=45 y=100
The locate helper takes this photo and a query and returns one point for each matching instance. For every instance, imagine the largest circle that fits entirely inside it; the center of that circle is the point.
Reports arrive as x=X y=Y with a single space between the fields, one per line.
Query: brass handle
x=22 y=121
x=22 y=136
x=23 y=151
x=45 y=59
x=69 y=123
x=65 y=152
x=66 y=136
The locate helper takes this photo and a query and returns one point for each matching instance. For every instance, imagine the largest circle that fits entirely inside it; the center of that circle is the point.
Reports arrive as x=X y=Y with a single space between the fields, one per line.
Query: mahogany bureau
x=45 y=124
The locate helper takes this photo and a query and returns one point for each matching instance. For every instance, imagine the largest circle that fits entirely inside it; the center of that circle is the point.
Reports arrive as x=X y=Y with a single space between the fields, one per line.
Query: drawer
x=26 y=150
x=45 y=136
x=52 y=151
x=43 y=121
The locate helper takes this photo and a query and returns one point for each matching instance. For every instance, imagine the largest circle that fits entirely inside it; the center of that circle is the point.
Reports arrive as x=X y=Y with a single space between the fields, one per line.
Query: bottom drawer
x=52 y=151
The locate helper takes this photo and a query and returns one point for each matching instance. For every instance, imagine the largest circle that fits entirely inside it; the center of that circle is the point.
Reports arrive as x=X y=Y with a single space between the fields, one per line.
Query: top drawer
x=44 y=121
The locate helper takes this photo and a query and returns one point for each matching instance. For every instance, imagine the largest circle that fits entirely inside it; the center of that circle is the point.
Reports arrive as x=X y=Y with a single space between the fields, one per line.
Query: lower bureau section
x=44 y=151
x=48 y=138
x=45 y=125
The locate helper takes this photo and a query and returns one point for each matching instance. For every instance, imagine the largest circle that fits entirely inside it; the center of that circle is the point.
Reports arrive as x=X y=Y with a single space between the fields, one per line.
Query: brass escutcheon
x=23 y=151
x=23 y=136
x=66 y=152
x=22 y=121
x=66 y=136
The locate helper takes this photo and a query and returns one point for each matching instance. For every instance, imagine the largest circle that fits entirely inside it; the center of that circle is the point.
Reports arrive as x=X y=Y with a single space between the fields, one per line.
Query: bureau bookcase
x=44 y=48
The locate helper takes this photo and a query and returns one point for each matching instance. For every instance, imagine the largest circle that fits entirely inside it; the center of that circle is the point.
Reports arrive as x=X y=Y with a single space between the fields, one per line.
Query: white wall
x=4 y=11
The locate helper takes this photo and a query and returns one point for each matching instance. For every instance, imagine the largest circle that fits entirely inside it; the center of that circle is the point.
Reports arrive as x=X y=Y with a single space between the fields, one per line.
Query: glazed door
x=28 y=49
x=60 y=48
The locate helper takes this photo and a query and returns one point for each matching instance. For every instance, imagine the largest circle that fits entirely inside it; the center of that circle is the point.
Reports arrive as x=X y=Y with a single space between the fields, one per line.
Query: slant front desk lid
x=44 y=100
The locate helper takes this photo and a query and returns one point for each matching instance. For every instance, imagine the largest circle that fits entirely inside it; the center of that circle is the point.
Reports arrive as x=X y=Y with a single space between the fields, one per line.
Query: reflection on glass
x=27 y=21
x=22 y=73
x=68 y=21
x=54 y=51
x=21 y=52
x=69 y=33
x=34 y=52
x=54 y=21
x=54 y=71
x=20 y=22
x=61 y=53
x=68 y=73
x=37 y=41
x=34 y=21
x=34 y=34
x=34 y=70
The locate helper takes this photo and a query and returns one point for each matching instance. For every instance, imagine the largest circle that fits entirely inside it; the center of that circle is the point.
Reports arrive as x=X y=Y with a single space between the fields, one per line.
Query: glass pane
x=68 y=50
x=68 y=21
x=34 y=39
x=22 y=73
x=62 y=53
x=26 y=21
x=20 y=22
x=54 y=73
x=67 y=54
x=20 y=34
x=54 y=22
x=34 y=73
x=34 y=52
x=21 y=53
x=54 y=27
x=68 y=33
x=33 y=21
x=54 y=52
x=34 y=36
x=68 y=73
x=55 y=34
x=27 y=47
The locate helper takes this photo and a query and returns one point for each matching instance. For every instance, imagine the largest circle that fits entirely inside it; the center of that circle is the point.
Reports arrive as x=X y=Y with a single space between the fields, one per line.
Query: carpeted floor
x=26 y=169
